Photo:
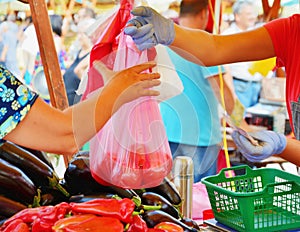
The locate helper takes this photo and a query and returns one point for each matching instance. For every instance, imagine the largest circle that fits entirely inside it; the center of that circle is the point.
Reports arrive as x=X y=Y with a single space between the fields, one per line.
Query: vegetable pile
x=78 y=202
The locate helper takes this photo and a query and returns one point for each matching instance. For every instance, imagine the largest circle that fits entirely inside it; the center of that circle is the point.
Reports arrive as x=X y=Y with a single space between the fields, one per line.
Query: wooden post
x=55 y=83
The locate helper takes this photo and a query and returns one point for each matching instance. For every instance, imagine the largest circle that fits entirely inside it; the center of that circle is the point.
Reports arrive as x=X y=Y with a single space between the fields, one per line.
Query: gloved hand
x=270 y=143
x=148 y=28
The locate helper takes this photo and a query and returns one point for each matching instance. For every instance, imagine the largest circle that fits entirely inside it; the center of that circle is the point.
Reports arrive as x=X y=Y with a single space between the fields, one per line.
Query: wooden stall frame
x=55 y=83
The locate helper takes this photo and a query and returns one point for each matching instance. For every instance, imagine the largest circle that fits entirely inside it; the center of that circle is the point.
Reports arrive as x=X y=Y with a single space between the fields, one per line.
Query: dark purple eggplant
x=168 y=190
x=52 y=196
x=78 y=177
x=43 y=156
x=123 y=193
x=190 y=222
x=9 y=207
x=153 y=217
x=32 y=166
x=150 y=198
x=15 y=184
x=85 y=198
x=79 y=180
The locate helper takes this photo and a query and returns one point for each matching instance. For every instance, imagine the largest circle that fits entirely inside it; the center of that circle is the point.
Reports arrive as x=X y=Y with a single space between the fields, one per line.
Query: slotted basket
x=264 y=199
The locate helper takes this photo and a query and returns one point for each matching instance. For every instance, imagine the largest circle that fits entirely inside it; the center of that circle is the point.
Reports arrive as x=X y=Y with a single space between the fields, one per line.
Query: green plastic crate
x=264 y=199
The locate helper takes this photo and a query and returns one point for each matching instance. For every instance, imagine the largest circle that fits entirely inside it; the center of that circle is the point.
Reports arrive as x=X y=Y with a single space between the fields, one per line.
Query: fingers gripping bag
x=131 y=150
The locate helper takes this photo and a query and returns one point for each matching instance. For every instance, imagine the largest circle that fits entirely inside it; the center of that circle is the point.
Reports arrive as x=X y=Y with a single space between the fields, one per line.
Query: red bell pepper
x=169 y=227
x=121 y=209
x=155 y=230
x=97 y=224
x=137 y=225
x=41 y=225
x=27 y=215
x=76 y=219
x=48 y=216
x=16 y=226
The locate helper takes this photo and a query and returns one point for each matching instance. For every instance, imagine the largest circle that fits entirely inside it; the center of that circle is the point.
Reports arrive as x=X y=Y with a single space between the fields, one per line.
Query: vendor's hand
x=131 y=83
x=270 y=143
x=148 y=28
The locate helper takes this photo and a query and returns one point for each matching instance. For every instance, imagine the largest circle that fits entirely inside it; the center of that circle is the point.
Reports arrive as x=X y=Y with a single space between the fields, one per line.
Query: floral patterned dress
x=16 y=100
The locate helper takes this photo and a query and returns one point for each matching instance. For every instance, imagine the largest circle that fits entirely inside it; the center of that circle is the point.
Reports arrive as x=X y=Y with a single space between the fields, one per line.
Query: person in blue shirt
x=192 y=119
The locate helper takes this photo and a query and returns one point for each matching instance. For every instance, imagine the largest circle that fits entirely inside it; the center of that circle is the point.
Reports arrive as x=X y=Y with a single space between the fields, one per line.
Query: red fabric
x=285 y=34
x=221 y=162
x=210 y=23
x=106 y=44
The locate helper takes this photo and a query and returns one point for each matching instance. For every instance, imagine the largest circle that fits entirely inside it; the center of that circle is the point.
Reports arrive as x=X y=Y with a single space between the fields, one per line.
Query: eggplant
x=153 y=217
x=15 y=184
x=85 y=198
x=52 y=197
x=9 y=207
x=150 y=198
x=43 y=156
x=123 y=193
x=39 y=172
x=168 y=190
x=190 y=222
x=79 y=180
x=78 y=177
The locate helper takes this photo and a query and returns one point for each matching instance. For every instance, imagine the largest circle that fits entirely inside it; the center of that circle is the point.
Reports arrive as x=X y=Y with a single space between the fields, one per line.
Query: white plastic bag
x=171 y=84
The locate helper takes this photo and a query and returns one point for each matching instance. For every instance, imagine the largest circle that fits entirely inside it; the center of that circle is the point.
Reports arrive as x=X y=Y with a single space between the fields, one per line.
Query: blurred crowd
x=19 y=47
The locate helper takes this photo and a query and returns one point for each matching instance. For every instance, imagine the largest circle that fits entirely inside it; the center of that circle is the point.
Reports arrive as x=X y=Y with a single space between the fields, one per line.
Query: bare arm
x=65 y=132
x=291 y=152
x=210 y=50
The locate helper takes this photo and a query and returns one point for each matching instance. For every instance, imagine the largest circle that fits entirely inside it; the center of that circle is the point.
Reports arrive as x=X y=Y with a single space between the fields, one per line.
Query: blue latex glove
x=148 y=28
x=270 y=143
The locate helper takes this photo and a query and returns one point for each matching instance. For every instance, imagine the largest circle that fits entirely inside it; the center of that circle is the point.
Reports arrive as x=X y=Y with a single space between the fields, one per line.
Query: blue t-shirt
x=15 y=101
x=192 y=117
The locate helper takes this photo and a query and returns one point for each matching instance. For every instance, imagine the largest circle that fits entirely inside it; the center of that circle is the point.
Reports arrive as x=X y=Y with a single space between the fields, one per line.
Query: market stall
x=35 y=199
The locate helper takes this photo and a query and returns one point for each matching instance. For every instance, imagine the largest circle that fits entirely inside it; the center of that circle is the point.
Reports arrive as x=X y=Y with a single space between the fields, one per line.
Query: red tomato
x=169 y=227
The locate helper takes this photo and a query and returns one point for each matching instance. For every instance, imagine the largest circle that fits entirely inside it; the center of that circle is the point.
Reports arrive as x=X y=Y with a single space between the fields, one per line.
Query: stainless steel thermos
x=183 y=173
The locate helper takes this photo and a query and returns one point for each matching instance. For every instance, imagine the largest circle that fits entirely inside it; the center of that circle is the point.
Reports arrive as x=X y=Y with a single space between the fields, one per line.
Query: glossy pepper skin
x=97 y=224
x=120 y=209
x=48 y=216
x=75 y=219
x=41 y=218
x=27 y=215
x=17 y=226
x=137 y=225
x=169 y=227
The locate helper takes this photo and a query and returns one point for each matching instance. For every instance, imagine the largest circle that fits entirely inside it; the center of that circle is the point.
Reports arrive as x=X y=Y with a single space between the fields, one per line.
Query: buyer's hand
x=148 y=28
x=129 y=84
x=270 y=143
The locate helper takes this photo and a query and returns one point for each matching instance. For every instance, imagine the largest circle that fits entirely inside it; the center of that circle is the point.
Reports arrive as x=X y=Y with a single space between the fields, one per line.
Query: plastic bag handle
x=270 y=187
x=240 y=167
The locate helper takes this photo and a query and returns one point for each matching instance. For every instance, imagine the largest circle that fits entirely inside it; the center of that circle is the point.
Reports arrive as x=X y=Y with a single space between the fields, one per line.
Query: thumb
x=239 y=139
x=106 y=73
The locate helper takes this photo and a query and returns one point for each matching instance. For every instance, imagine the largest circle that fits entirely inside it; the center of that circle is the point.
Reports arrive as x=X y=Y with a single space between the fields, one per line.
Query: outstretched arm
x=148 y=28
x=65 y=132
x=222 y=49
x=291 y=152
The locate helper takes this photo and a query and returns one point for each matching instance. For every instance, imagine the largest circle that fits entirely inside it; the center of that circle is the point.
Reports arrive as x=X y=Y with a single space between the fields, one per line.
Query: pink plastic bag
x=132 y=150
x=200 y=201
